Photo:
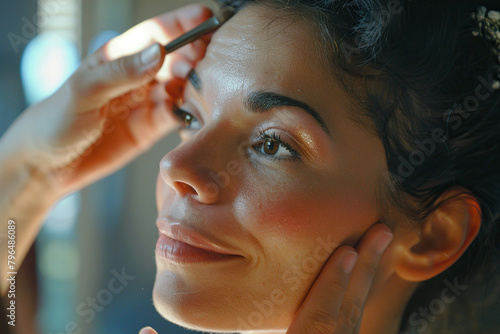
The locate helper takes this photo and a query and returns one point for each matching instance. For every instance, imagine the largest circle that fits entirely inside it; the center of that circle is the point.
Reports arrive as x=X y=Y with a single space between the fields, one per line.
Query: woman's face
x=281 y=208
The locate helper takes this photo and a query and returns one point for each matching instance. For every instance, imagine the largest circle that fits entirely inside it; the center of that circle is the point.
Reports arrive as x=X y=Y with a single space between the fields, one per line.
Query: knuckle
x=369 y=269
x=122 y=67
x=322 y=322
x=351 y=312
x=335 y=286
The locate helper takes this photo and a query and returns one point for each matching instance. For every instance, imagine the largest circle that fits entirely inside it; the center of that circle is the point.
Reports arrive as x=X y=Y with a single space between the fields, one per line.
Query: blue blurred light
x=47 y=61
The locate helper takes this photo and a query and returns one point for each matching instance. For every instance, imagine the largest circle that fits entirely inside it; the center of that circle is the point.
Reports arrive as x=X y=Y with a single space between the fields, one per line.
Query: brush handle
x=206 y=27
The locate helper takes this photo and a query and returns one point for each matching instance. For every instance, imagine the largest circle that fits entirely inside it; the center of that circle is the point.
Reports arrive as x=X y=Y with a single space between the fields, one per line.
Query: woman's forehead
x=259 y=49
x=261 y=38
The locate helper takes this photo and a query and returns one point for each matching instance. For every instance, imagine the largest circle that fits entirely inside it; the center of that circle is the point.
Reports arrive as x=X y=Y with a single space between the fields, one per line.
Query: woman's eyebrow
x=195 y=80
x=262 y=101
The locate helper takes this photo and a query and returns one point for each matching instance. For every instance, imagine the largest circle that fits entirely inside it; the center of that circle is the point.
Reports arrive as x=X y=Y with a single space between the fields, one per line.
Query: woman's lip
x=179 y=252
x=180 y=233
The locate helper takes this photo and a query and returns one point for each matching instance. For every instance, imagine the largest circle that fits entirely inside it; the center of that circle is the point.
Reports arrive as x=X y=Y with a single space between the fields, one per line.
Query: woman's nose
x=197 y=168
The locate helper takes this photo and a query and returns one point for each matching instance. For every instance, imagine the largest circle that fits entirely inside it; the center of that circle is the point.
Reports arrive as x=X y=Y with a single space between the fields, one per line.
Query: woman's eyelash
x=178 y=112
x=181 y=114
x=274 y=136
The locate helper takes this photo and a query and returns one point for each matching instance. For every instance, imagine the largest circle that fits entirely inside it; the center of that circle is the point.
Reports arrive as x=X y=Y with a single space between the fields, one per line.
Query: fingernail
x=145 y=330
x=383 y=241
x=150 y=55
x=349 y=261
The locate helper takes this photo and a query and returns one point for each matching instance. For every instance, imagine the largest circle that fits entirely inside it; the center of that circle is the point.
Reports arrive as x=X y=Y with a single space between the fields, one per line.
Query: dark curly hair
x=428 y=96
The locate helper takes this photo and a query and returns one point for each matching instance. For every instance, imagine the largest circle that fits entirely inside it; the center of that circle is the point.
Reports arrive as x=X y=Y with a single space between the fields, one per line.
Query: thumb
x=110 y=79
x=147 y=330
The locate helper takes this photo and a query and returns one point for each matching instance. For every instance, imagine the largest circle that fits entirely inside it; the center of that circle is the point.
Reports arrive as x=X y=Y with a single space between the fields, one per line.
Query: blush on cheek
x=305 y=216
x=280 y=216
x=291 y=214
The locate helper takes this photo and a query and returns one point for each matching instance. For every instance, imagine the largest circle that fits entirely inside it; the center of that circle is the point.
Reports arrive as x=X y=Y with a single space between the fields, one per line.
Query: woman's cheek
x=290 y=225
x=295 y=213
x=298 y=226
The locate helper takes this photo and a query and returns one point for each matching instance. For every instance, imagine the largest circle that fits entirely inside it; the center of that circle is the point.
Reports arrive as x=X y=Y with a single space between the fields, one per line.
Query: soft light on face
x=283 y=207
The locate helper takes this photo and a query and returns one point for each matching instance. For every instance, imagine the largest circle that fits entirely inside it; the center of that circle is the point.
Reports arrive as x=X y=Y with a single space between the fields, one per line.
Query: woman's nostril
x=185 y=188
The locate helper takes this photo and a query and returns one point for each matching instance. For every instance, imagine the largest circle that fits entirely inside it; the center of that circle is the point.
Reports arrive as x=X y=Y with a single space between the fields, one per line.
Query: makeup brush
x=206 y=27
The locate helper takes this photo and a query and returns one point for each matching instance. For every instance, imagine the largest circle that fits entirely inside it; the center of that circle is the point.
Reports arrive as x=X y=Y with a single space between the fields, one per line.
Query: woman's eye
x=274 y=147
x=187 y=120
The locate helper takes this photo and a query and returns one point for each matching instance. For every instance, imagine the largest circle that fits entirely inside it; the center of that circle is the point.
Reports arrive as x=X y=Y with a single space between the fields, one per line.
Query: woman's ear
x=441 y=239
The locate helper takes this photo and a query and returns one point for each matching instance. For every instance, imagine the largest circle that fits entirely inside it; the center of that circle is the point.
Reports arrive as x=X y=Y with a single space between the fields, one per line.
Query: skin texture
x=283 y=217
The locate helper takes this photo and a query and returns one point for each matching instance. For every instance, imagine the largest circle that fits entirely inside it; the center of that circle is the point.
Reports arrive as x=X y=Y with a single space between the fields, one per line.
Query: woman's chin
x=207 y=308
x=188 y=306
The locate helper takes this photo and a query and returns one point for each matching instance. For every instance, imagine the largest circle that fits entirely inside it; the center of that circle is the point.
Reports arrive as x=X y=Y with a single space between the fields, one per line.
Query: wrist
x=25 y=183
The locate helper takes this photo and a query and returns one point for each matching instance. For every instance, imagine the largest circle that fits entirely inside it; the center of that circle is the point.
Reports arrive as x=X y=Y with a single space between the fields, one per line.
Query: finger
x=150 y=122
x=147 y=330
x=111 y=79
x=370 y=250
x=145 y=112
x=161 y=29
x=174 y=88
x=195 y=50
x=146 y=122
x=176 y=65
x=125 y=134
x=318 y=313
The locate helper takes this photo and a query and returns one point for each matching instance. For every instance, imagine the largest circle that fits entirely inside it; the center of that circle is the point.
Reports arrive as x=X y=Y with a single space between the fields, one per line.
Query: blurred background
x=92 y=267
